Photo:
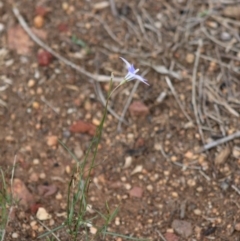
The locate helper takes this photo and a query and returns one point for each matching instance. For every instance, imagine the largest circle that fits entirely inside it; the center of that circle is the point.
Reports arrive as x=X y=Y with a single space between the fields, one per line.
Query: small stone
x=38 y=21
x=44 y=58
x=136 y=192
x=42 y=214
x=35 y=105
x=52 y=141
x=39 y=90
x=68 y=169
x=212 y=24
x=173 y=158
x=171 y=236
x=117 y=221
x=33 y=177
x=197 y=212
x=42 y=175
x=128 y=186
x=101 y=5
x=190 y=58
x=237 y=226
x=222 y=156
x=225 y=36
x=65 y=6
x=138 y=109
x=15 y=235
x=150 y=188
x=93 y=230
x=182 y=228
x=175 y=194
x=35 y=161
x=31 y=83
x=78 y=152
x=157 y=146
x=59 y=196
x=191 y=183
x=137 y=169
x=96 y=122
x=128 y=162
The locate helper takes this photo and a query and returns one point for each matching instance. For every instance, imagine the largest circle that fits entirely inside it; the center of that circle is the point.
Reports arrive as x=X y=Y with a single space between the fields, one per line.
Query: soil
x=154 y=169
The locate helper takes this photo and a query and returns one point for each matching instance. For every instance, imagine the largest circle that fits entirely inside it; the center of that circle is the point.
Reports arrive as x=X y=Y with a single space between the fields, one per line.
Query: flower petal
x=129 y=66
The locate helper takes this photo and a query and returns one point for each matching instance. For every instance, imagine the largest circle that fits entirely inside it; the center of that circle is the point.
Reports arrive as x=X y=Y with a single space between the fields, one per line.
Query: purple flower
x=131 y=75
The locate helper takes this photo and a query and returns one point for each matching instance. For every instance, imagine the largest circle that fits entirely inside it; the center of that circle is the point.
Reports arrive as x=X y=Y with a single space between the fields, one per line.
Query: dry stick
x=220 y=141
x=235 y=188
x=113 y=8
x=101 y=78
x=221 y=63
x=177 y=99
x=216 y=41
x=194 y=78
x=129 y=101
x=160 y=235
x=48 y=229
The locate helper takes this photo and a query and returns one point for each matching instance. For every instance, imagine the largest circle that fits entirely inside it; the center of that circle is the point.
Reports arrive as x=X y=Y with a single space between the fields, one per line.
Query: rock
x=128 y=162
x=44 y=57
x=237 y=226
x=21 y=193
x=171 y=237
x=137 y=169
x=222 y=156
x=83 y=127
x=38 y=21
x=182 y=228
x=136 y=192
x=19 y=40
x=190 y=58
x=42 y=214
x=225 y=36
x=137 y=108
x=31 y=83
x=78 y=152
x=52 y=141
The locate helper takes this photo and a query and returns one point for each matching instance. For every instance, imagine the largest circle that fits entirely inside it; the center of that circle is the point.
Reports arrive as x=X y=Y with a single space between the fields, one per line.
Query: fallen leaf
x=19 y=40
x=171 y=237
x=137 y=108
x=136 y=192
x=21 y=193
x=45 y=191
x=182 y=228
x=83 y=127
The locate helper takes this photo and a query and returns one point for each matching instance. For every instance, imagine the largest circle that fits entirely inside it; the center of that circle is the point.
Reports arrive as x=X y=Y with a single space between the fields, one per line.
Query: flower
x=131 y=75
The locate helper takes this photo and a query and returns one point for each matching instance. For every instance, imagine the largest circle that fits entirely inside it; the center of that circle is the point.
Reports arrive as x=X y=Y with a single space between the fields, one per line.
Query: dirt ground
x=153 y=165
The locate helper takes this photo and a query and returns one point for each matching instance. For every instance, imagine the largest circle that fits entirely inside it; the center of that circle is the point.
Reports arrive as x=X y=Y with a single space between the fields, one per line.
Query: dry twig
x=220 y=141
x=101 y=78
